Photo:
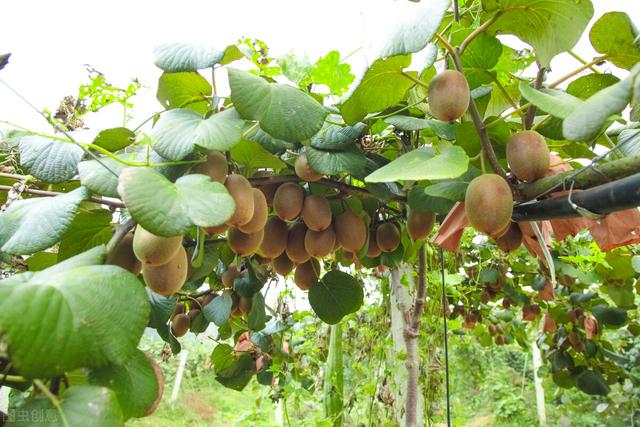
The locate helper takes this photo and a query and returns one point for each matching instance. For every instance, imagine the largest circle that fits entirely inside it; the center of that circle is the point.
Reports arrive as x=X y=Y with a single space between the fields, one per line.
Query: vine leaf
x=88 y=229
x=31 y=225
x=333 y=137
x=66 y=322
x=48 y=159
x=335 y=295
x=444 y=130
x=184 y=90
x=114 y=139
x=218 y=311
x=328 y=162
x=423 y=163
x=168 y=209
x=592 y=382
x=81 y=405
x=614 y=34
x=99 y=179
x=553 y=26
x=134 y=383
x=257 y=316
x=252 y=155
x=161 y=309
x=179 y=131
x=176 y=57
x=555 y=102
x=284 y=112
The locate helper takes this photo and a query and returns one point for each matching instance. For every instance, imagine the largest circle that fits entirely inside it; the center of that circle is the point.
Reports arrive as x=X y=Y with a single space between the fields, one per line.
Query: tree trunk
x=334 y=377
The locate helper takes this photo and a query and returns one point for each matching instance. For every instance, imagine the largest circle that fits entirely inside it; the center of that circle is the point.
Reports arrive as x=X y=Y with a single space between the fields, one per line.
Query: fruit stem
x=119 y=234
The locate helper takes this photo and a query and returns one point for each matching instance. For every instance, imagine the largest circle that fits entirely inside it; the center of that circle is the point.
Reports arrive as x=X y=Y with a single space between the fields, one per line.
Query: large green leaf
x=481 y=55
x=184 y=90
x=134 y=382
x=335 y=295
x=444 y=130
x=114 y=139
x=614 y=34
x=71 y=316
x=328 y=162
x=253 y=155
x=97 y=178
x=257 y=316
x=613 y=316
x=31 y=225
x=592 y=382
x=550 y=26
x=424 y=163
x=269 y=143
x=284 y=112
x=588 y=85
x=555 y=102
x=89 y=228
x=179 y=131
x=329 y=71
x=334 y=137
x=48 y=159
x=218 y=311
x=382 y=86
x=168 y=209
x=176 y=57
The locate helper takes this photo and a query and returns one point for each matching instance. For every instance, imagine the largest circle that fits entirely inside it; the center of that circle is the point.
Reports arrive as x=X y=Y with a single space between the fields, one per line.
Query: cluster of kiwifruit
x=181 y=318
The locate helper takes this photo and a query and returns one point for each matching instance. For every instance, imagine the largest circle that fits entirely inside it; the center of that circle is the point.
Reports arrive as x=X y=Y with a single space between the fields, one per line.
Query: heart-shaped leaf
x=31 y=225
x=114 y=139
x=184 y=90
x=175 y=57
x=333 y=137
x=257 y=316
x=284 y=112
x=97 y=178
x=269 y=143
x=168 y=209
x=555 y=102
x=253 y=156
x=48 y=159
x=218 y=311
x=351 y=161
x=88 y=229
x=592 y=382
x=335 y=295
x=444 y=130
x=614 y=34
x=179 y=131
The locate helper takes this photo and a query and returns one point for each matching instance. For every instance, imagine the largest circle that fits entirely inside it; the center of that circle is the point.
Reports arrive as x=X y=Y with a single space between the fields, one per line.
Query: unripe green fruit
x=167 y=279
x=123 y=256
x=420 y=224
x=316 y=212
x=351 y=231
x=240 y=189
x=215 y=167
x=448 y=95
x=528 y=155
x=387 y=237
x=489 y=204
x=304 y=170
x=154 y=250
x=288 y=201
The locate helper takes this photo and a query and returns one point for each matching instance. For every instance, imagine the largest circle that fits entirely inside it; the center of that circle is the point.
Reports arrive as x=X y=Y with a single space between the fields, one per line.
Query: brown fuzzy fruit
x=240 y=189
x=351 y=231
x=304 y=170
x=282 y=265
x=180 y=325
x=511 y=240
x=288 y=201
x=160 y=380
x=230 y=275
x=180 y=309
x=123 y=256
x=154 y=250
x=320 y=243
x=275 y=238
x=448 y=95
x=307 y=274
x=295 y=244
x=488 y=204
x=316 y=213
x=260 y=213
x=215 y=167
x=167 y=279
x=528 y=155
x=420 y=224
x=373 y=250
x=388 y=237
x=217 y=230
x=206 y=299
x=193 y=313
x=243 y=244
x=244 y=306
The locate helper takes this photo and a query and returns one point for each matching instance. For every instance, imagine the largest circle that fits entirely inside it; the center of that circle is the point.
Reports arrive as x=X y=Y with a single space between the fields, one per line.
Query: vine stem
x=527 y=121
x=119 y=234
x=54 y=400
x=479 y=31
x=108 y=202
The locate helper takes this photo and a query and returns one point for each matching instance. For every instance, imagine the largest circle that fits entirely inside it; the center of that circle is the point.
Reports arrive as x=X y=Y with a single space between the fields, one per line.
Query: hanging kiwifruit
x=373 y=250
x=282 y=264
x=388 y=237
x=122 y=255
x=216 y=230
x=243 y=244
x=288 y=201
x=420 y=224
x=215 y=167
x=320 y=243
x=154 y=250
x=180 y=325
x=448 y=95
x=511 y=240
x=240 y=189
x=489 y=204
x=307 y=274
x=179 y=309
x=268 y=189
x=316 y=212
x=528 y=155
x=351 y=231
x=260 y=213
x=295 y=243
x=304 y=170
x=244 y=305
x=167 y=279
x=230 y=275
x=275 y=238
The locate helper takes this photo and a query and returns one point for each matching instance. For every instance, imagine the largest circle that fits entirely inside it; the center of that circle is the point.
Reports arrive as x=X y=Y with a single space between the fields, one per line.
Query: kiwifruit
x=373 y=250
x=160 y=380
x=180 y=309
x=215 y=167
x=154 y=250
x=216 y=230
x=288 y=201
x=235 y=302
x=275 y=238
x=268 y=189
x=240 y=189
x=260 y=213
x=244 y=305
x=528 y=155
x=304 y=170
x=193 y=313
x=448 y=95
x=122 y=255
x=167 y=279
x=420 y=224
x=351 y=231
x=316 y=212
x=387 y=237
x=320 y=243
x=511 y=240
x=243 y=244
x=282 y=264
x=230 y=275
x=307 y=274
x=489 y=204
x=180 y=325
x=206 y=299
x=295 y=243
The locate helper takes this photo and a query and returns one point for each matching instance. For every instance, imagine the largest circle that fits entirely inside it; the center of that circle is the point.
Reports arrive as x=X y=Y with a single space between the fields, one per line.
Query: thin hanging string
x=446 y=345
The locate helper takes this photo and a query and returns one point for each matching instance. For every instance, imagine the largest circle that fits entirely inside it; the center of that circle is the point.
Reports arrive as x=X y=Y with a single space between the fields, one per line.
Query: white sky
x=51 y=40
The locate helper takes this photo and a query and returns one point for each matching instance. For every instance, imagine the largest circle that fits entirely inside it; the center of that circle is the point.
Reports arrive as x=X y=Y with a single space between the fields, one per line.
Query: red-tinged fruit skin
x=489 y=205
x=448 y=95
x=528 y=155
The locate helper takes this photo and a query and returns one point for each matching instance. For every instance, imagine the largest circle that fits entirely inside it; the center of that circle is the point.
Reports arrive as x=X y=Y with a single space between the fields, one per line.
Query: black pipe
x=606 y=198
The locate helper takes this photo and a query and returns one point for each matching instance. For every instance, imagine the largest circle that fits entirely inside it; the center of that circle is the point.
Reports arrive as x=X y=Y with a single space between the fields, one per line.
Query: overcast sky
x=51 y=40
